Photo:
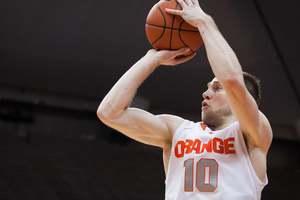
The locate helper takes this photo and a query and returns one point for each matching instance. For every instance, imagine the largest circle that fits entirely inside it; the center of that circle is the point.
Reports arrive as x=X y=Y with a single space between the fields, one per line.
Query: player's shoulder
x=171 y=121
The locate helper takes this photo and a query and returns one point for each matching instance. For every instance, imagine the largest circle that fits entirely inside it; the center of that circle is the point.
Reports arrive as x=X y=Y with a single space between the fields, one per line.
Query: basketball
x=170 y=32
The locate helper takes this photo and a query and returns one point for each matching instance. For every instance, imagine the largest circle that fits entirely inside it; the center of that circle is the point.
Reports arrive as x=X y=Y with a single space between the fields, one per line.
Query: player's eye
x=219 y=87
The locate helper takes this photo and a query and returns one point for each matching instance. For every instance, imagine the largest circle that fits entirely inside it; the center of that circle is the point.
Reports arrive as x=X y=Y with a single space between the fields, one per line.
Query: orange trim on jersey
x=203 y=126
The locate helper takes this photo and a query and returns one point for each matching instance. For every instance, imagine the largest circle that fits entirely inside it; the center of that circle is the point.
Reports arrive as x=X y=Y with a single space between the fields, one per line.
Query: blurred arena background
x=59 y=58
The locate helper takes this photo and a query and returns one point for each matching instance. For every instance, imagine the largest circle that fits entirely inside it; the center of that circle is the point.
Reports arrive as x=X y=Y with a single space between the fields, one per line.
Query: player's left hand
x=191 y=11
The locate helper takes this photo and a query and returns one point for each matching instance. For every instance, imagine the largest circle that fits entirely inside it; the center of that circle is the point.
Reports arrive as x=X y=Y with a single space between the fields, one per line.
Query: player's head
x=216 y=108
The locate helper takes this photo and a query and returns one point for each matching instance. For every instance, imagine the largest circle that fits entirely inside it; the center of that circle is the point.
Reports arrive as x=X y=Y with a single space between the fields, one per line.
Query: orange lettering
x=218 y=145
x=229 y=145
x=188 y=146
x=206 y=146
x=196 y=146
x=182 y=146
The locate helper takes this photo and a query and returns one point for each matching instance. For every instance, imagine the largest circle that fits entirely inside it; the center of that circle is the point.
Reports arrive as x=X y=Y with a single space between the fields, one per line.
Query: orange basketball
x=171 y=32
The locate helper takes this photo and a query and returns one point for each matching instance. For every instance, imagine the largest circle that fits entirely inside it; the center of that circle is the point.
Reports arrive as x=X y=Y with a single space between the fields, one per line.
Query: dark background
x=59 y=58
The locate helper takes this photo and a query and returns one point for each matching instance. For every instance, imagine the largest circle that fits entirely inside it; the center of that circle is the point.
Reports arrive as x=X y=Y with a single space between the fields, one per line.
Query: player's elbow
x=102 y=113
x=105 y=112
x=109 y=112
x=233 y=81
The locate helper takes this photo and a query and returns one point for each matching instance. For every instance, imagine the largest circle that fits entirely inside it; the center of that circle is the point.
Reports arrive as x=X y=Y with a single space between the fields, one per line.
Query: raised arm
x=138 y=124
x=228 y=71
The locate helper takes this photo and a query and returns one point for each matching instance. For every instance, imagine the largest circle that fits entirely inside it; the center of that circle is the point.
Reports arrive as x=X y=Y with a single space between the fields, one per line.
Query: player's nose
x=206 y=95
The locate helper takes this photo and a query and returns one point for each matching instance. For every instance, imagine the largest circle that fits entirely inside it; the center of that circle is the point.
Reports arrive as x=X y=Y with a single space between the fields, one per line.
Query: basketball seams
x=176 y=29
x=170 y=46
x=180 y=34
x=171 y=34
x=163 y=26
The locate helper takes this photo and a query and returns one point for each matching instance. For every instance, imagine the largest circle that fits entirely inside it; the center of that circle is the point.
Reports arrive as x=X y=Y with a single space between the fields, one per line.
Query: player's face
x=215 y=106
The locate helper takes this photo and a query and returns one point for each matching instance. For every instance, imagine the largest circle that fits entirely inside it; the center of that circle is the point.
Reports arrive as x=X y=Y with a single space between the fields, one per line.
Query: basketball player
x=222 y=157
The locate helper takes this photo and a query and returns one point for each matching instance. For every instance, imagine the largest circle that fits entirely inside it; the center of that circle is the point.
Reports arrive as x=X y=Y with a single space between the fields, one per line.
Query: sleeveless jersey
x=212 y=165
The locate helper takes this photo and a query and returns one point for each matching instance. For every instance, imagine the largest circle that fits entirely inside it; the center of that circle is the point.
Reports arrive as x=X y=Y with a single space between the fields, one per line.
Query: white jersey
x=211 y=165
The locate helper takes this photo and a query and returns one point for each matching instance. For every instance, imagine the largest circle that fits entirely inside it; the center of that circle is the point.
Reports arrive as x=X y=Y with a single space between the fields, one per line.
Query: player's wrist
x=152 y=58
x=205 y=22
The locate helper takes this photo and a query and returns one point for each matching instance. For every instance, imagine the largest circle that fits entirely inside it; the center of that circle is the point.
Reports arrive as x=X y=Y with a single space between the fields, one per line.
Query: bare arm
x=136 y=123
x=228 y=71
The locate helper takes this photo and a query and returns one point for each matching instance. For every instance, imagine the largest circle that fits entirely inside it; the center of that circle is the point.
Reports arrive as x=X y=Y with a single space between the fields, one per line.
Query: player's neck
x=224 y=124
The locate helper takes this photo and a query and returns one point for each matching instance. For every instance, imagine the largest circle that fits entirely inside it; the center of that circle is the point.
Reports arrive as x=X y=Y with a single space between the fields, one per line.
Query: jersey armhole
x=183 y=125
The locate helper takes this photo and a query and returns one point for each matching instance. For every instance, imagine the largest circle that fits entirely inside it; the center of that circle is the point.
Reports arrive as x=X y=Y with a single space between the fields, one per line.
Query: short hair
x=252 y=84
